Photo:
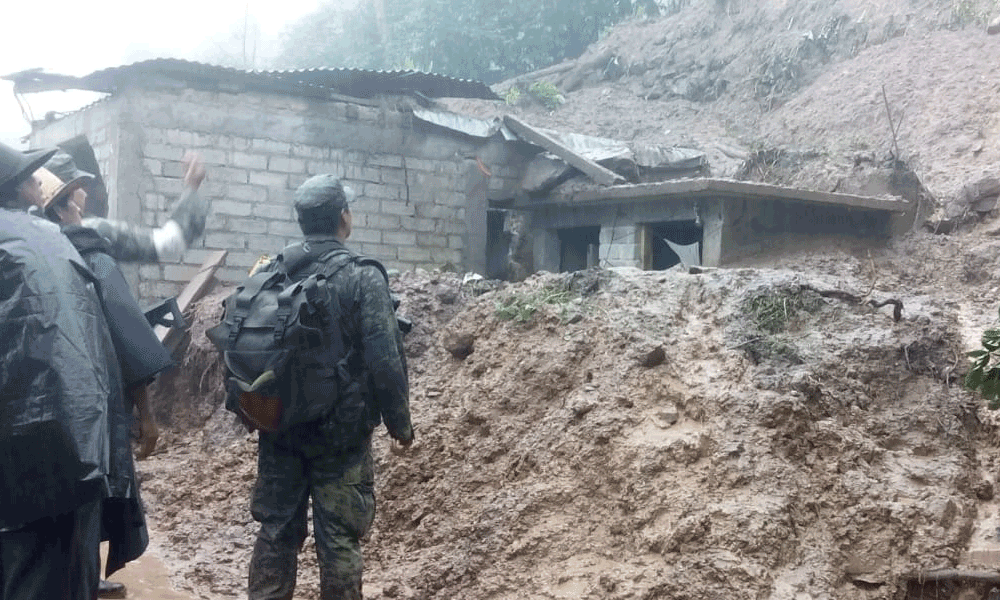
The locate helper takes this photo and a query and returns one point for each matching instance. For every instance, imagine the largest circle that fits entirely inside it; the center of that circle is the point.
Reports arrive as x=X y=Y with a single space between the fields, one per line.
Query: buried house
x=435 y=189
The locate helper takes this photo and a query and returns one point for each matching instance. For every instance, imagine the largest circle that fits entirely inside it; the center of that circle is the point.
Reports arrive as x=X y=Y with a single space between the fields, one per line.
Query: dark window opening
x=575 y=245
x=684 y=235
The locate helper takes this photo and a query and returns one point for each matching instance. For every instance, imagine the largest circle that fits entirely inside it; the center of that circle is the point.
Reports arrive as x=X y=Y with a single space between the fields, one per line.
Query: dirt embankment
x=736 y=77
x=649 y=435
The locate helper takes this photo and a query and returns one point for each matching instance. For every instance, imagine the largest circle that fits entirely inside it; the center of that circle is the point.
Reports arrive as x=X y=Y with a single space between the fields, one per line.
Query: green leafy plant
x=984 y=375
x=547 y=94
x=512 y=96
x=772 y=309
x=522 y=308
x=972 y=12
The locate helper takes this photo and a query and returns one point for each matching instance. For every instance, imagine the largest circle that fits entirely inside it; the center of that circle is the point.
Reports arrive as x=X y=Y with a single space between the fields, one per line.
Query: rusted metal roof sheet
x=172 y=72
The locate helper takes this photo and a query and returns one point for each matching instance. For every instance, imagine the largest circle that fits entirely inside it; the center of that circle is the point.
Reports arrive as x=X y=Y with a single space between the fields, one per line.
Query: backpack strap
x=368 y=261
x=244 y=299
x=297 y=256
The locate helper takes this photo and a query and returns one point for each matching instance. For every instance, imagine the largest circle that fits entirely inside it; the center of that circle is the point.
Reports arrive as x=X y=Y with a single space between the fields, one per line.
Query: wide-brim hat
x=53 y=188
x=17 y=166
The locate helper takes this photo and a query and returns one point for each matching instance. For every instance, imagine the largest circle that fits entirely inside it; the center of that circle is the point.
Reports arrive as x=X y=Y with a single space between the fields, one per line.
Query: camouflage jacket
x=129 y=242
x=371 y=326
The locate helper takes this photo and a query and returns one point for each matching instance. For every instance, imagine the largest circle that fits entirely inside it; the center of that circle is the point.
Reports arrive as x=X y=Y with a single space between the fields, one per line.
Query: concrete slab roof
x=687 y=189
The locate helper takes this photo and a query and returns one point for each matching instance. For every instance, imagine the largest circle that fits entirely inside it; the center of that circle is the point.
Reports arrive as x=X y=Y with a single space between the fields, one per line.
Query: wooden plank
x=590 y=168
x=195 y=288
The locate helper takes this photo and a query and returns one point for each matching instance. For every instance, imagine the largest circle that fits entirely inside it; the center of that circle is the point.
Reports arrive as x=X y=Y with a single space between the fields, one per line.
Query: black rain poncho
x=58 y=376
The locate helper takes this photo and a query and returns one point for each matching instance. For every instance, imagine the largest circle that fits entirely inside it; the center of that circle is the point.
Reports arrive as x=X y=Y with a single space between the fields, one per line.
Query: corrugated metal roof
x=173 y=72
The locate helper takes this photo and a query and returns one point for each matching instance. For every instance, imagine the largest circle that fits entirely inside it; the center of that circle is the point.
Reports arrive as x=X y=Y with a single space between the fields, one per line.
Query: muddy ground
x=628 y=434
x=739 y=433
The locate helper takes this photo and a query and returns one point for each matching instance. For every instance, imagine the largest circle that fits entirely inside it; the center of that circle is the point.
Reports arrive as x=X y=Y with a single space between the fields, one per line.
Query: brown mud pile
x=627 y=434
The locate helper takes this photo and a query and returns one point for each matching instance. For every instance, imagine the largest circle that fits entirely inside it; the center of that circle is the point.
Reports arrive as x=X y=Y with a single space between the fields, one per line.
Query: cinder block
x=150 y=272
x=362 y=174
x=397 y=177
x=232 y=207
x=263 y=242
x=180 y=273
x=414 y=254
x=420 y=164
x=399 y=238
x=163 y=151
x=274 y=211
x=365 y=236
x=268 y=179
x=386 y=160
x=152 y=201
x=382 y=252
x=417 y=224
x=173 y=168
x=453 y=227
x=286 y=165
x=429 y=240
x=246 y=160
x=435 y=211
x=283 y=228
x=442 y=256
x=217 y=222
x=179 y=137
x=227 y=174
x=456 y=242
x=394 y=207
x=249 y=193
x=154 y=166
x=310 y=152
x=383 y=222
x=378 y=190
x=225 y=241
x=248 y=225
x=165 y=185
x=271 y=147
x=212 y=156
x=320 y=167
x=296 y=179
x=196 y=256
x=365 y=206
x=243 y=260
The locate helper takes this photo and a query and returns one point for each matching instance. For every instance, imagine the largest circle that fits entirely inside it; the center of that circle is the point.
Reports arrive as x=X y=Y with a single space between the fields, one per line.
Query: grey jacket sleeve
x=383 y=353
x=134 y=243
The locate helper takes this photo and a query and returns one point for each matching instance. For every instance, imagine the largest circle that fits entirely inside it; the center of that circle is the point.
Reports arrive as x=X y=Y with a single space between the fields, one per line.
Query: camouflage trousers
x=291 y=468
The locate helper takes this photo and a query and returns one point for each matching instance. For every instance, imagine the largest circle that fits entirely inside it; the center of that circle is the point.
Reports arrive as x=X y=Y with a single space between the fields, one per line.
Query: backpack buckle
x=234 y=331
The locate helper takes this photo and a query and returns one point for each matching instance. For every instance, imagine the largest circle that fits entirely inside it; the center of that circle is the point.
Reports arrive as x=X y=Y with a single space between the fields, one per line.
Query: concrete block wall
x=99 y=124
x=412 y=208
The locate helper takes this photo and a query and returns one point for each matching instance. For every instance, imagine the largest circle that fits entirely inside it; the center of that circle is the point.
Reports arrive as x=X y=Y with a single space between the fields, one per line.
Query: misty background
x=486 y=40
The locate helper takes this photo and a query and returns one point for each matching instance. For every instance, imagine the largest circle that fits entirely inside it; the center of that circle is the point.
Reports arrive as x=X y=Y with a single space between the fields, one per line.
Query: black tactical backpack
x=282 y=342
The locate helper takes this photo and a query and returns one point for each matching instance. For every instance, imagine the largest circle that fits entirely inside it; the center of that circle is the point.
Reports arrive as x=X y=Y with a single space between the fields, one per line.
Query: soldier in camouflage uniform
x=323 y=459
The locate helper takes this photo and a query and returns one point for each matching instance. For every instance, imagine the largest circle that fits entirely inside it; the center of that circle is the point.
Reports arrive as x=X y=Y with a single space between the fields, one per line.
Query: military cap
x=322 y=192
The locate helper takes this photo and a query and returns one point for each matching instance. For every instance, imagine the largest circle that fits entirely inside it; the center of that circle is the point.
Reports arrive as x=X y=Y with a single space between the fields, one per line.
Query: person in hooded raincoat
x=57 y=390
x=141 y=357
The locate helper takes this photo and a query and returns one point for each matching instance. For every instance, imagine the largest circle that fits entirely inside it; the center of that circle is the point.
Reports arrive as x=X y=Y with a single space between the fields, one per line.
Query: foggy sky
x=77 y=38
